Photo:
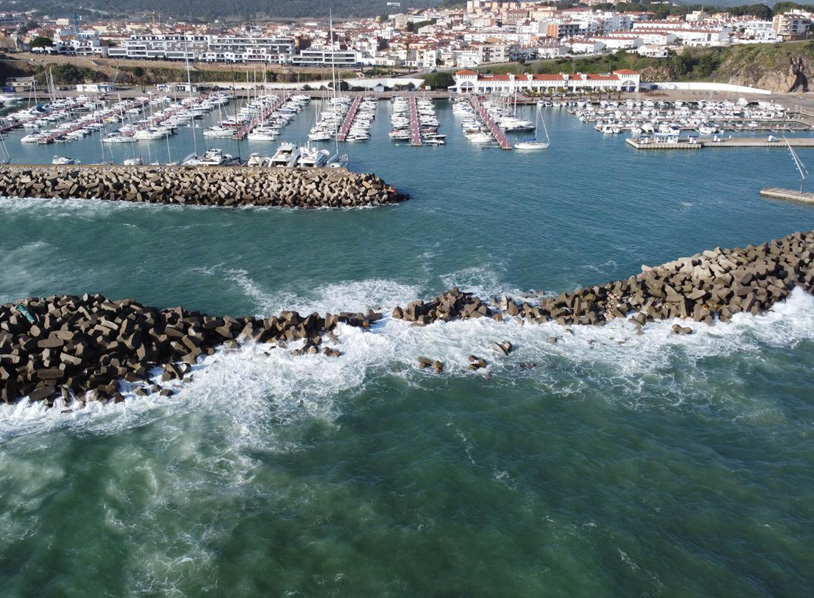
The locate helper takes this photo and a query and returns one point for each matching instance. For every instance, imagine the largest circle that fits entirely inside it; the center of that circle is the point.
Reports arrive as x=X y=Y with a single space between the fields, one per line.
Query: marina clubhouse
x=472 y=82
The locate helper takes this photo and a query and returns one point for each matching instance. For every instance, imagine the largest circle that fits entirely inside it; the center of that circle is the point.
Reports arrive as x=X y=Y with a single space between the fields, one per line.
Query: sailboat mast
x=333 y=77
x=189 y=88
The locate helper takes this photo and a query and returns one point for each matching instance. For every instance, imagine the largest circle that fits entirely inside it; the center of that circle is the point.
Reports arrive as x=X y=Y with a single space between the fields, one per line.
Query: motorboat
x=286 y=155
x=117 y=138
x=211 y=157
x=312 y=157
x=64 y=161
x=257 y=160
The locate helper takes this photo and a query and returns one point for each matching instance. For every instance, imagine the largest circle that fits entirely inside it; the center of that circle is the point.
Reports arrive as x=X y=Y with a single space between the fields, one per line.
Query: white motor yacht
x=312 y=157
x=286 y=155
x=64 y=161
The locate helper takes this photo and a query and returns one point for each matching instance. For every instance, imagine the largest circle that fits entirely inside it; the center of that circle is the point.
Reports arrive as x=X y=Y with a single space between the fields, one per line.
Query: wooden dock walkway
x=257 y=120
x=499 y=136
x=804 y=142
x=787 y=194
x=348 y=122
x=77 y=126
x=415 y=123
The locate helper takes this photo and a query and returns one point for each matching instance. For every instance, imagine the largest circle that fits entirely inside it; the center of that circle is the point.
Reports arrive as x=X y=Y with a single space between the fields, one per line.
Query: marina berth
x=414 y=120
x=708 y=117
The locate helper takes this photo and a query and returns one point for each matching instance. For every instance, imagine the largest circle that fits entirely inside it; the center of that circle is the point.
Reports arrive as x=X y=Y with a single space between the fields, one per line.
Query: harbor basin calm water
x=620 y=465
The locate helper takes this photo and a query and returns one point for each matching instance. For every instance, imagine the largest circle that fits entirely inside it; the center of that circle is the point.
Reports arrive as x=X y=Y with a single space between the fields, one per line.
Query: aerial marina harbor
x=341 y=299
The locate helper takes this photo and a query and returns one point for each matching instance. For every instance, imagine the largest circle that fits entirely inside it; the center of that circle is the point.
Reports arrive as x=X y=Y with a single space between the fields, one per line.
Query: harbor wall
x=201 y=185
x=92 y=349
x=705 y=86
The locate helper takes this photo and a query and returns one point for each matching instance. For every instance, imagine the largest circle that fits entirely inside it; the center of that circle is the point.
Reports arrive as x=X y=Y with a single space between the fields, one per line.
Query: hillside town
x=482 y=33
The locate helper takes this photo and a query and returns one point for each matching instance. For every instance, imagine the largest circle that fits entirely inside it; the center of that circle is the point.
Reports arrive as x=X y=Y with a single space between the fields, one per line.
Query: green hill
x=208 y=10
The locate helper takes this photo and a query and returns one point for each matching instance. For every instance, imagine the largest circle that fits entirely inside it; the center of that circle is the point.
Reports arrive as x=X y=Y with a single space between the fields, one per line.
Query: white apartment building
x=795 y=22
x=276 y=50
x=325 y=58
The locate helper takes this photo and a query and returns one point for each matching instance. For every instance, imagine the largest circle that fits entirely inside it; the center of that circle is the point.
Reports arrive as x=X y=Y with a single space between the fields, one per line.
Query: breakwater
x=201 y=185
x=89 y=346
x=707 y=287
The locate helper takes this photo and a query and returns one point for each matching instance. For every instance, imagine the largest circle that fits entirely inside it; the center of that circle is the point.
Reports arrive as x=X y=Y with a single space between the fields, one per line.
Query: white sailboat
x=535 y=143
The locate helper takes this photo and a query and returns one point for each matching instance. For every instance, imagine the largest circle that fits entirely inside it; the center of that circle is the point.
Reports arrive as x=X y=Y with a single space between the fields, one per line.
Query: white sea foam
x=258 y=387
x=333 y=298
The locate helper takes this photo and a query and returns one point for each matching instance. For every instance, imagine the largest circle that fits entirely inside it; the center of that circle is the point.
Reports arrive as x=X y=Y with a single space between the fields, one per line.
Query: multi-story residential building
x=793 y=23
x=564 y=30
x=207 y=48
x=161 y=46
x=325 y=58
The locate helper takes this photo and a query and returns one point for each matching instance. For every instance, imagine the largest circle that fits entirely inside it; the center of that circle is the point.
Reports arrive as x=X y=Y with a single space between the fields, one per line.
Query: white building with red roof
x=471 y=82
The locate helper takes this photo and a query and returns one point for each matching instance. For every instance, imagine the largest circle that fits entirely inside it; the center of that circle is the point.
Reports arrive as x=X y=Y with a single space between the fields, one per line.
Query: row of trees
x=661 y=10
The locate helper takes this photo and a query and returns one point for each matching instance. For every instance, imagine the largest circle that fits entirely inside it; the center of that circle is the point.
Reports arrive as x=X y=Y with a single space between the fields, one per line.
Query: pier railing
x=349 y=118
x=415 y=123
x=257 y=120
x=499 y=136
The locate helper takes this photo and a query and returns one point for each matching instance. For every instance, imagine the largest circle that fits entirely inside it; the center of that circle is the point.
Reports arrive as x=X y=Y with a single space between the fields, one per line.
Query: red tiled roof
x=466 y=73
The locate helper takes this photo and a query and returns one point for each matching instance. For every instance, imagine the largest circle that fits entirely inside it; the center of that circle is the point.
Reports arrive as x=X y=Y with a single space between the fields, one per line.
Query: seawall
x=201 y=185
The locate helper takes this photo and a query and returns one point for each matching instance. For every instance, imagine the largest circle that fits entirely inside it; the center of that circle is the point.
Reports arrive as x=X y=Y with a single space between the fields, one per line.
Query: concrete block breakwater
x=707 y=287
x=86 y=347
x=201 y=185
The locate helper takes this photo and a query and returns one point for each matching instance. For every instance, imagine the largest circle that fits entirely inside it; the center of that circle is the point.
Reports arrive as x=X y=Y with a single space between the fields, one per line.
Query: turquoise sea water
x=620 y=465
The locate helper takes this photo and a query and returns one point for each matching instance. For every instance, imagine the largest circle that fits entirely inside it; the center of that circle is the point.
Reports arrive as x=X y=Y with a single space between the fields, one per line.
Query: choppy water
x=620 y=465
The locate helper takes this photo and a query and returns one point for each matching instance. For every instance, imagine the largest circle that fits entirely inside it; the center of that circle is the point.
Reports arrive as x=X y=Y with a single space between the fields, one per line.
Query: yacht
x=211 y=157
x=481 y=138
x=218 y=132
x=338 y=161
x=256 y=160
x=262 y=134
x=286 y=156
x=313 y=158
x=64 y=161
x=535 y=143
x=117 y=138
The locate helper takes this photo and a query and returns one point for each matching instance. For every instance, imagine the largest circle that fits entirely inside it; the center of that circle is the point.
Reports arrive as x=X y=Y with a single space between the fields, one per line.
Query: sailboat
x=535 y=143
x=337 y=160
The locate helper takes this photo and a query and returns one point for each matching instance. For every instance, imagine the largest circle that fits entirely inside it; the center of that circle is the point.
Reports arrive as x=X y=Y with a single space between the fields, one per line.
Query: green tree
x=438 y=80
x=41 y=42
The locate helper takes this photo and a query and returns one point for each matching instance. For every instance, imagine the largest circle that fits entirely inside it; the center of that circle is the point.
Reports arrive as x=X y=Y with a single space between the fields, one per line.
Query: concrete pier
x=787 y=194
x=684 y=144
